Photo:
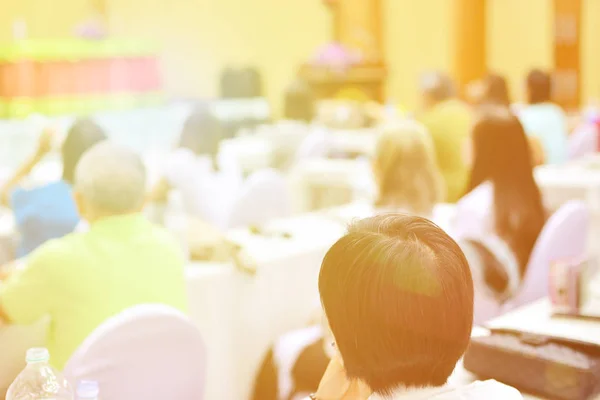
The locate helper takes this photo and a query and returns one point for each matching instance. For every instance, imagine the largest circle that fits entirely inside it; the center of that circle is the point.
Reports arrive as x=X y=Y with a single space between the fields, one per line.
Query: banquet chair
x=583 y=141
x=150 y=352
x=264 y=196
x=563 y=237
x=314 y=145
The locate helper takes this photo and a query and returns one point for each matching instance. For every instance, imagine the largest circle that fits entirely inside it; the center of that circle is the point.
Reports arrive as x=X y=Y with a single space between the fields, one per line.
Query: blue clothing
x=548 y=123
x=43 y=213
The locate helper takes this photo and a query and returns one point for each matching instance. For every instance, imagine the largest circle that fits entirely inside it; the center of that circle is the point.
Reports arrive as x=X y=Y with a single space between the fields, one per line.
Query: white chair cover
x=564 y=236
x=150 y=352
x=264 y=197
x=583 y=141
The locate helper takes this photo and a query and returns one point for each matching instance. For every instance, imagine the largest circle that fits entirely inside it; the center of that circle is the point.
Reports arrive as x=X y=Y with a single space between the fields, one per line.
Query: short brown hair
x=398 y=294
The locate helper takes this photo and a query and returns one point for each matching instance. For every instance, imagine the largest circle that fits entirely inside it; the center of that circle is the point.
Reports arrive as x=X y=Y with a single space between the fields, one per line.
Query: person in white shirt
x=208 y=186
x=398 y=295
x=543 y=119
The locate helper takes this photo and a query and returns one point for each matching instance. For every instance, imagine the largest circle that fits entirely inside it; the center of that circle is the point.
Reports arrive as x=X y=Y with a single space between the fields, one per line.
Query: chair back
x=564 y=236
x=263 y=197
x=150 y=352
x=314 y=145
x=583 y=141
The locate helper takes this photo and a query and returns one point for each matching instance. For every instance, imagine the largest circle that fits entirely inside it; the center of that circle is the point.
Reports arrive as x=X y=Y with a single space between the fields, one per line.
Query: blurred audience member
x=495 y=91
x=82 y=279
x=502 y=214
x=448 y=121
x=543 y=119
x=47 y=212
x=294 y=365
x=398 y=295
x=405 y=169
x=208 y=187
x=299 y=102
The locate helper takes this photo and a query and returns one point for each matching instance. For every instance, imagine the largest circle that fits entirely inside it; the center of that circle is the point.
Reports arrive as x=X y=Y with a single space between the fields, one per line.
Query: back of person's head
x=405 y=168
x=539 y=87
x=109 y=180
x=495 y=91
x=398 y=294
x=84 y=134
x=502 y=156
x=299 y=102
x=201 y=132
x=436 y=87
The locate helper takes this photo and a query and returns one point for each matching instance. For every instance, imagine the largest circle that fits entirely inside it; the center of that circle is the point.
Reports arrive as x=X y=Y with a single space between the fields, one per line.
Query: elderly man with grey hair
x=84 y=278
x=448 y=120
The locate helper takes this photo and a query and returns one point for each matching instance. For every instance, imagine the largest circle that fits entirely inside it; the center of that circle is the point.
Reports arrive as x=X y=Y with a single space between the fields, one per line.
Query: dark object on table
x=554 y=368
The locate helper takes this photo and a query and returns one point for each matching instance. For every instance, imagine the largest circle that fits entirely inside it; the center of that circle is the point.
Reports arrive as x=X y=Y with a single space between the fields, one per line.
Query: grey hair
x=437 y=85
x=111 y=178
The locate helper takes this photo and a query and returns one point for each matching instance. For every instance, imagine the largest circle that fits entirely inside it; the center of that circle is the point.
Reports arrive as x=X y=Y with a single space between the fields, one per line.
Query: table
x=536 y=318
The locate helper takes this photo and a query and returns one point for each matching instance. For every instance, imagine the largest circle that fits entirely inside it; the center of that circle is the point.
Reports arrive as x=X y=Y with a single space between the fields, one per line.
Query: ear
x=79 y=203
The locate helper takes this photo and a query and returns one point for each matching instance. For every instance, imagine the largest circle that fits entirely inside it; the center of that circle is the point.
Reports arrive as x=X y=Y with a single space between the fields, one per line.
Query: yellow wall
x=519 y=37
x=200 y=37
x=44 y=18
x=590 y=51
x=416 y=39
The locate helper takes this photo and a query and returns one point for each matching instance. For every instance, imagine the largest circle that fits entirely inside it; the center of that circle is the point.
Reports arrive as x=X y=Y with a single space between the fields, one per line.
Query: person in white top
x=398 y=295
x=208 y=188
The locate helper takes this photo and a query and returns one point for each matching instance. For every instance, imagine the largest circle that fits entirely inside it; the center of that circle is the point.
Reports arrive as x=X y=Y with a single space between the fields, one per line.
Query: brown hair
x=398 y=294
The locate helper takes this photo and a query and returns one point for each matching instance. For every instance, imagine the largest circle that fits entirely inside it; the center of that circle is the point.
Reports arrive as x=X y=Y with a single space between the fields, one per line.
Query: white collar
x=413 y=393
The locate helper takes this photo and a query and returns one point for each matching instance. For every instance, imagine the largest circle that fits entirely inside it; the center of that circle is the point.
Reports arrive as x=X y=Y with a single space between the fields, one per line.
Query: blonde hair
x=405 y=168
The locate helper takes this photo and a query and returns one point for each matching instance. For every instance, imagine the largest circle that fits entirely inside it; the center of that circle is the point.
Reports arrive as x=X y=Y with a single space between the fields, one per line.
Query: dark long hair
x=84 y=134
x=502 y=157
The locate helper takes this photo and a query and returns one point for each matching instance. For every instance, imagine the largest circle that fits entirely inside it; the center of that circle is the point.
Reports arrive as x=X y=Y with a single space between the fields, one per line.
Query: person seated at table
x=405 y=170
x=448 y=121
x=208 y=185
x=398 y=296
x=48 y=211
x=491 y=90
x=299 y=102
x=502 y=214
x=82 y=279
x=543 y=119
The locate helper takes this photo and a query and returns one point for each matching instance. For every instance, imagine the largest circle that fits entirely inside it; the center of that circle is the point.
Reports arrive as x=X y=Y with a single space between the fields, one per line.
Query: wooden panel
x=469 y=40
x=567 y=35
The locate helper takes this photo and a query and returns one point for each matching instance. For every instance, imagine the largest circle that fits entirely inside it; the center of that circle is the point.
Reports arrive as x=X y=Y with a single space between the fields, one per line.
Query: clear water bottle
x=88 y=390
x=39 y=380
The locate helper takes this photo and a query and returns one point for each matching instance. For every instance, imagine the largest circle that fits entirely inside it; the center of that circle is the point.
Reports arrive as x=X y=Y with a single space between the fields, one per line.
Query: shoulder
x=59 y=251
x=489 y=390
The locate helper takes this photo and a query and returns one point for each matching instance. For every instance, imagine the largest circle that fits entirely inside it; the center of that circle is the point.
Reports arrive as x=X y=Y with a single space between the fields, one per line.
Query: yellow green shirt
x=449 y=124
x=82 y=279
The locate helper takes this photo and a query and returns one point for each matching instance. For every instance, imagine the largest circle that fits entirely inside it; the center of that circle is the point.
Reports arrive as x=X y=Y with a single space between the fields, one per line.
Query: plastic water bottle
x=88 y=390
x=39 y=380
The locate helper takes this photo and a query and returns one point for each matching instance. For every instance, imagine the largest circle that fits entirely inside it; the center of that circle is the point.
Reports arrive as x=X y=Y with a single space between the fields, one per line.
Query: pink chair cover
x=583 y=141
x=564 y=236
x=150 y=352
x=264 y=197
